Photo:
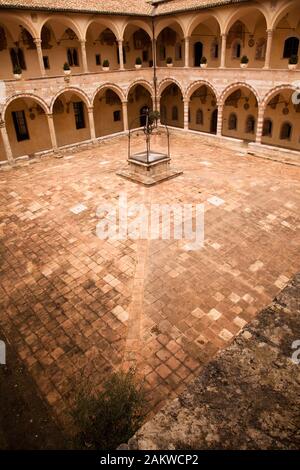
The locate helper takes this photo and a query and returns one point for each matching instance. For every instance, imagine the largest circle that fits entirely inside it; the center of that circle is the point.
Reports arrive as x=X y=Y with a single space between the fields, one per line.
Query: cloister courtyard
x=76 y=307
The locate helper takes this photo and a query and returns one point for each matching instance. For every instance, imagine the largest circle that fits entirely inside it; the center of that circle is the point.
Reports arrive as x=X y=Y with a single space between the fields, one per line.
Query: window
x=17 y=58
x=46 y=62
x=79 y=114
x=286 y=131
x=260 y=52
x=250 y=125
x=72 y=57
x=117 y=116
x=19 y=120
x=174 y=113
x=163 y=114
x=145 y=56
x=162 y=53
x=267 y=128
x=199 y=117
x=214 y=49
x=232 y=122
x=178 y=51
x=98 y=59
x=237 y=50
x=291 y=46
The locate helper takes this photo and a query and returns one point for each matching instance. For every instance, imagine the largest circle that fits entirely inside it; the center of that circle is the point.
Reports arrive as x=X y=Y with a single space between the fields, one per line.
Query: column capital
x=270 y=31
x=49 y=115
x=37 y=41
x=186 y=100
x=2 y=123
x=124 y=101
x=187 y=38
x=224 y=35
x=90 y=109
x=120 y=41
x=82 y=41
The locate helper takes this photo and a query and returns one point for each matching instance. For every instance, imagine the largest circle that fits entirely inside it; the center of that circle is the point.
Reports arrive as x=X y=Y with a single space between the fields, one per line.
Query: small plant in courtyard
x=244 y=61
x=169 y=61
x=293 y=61
x=105 y=63
x=138 y=61
x=17 y=71
x=153 y=116
x=113 y=415
x=203 y=62
x=66 y=66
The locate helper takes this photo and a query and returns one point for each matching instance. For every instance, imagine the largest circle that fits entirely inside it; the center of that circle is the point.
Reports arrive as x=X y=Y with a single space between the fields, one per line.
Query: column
x=220 y=120
x=260 y=124
x=158 y=109
x=38 y=44
x=186 y=52
x=223 y=51
x=186 y=104
x=52 y=131
x=121 y=58
x=92 y=123
x=269 y=48
x=6 y=143
x=83 y=55
x=125 y=115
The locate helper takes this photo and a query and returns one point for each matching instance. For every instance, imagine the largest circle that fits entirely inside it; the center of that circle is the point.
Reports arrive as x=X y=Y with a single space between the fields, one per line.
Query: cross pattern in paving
x=76 y=307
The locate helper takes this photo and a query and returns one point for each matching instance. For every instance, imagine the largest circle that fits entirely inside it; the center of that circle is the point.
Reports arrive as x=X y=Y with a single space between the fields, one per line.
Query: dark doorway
x=143 y=112
x=198 y=50
x=214 y=122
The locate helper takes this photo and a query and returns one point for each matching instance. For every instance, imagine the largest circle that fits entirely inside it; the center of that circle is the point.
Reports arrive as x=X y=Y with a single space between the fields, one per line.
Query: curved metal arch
x=31 y=96
x=235 y=86
x=166 y=82
x=198 y=84
x=143 y=83
x=109 y=86
x=74 y=90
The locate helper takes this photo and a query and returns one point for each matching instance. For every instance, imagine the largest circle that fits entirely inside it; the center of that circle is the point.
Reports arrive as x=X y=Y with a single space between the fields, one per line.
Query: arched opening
x=247 y=36
x=17 y=50
x=70 y=119
x=172 y=101
x=108 y=116
x=291 y=47
x=240 y=114
x=198 y=53
x=27 y=127
x=137 y=44
x=203 y=109
x=170 y=43
x=205 y=41
x=139 y=99
x=282 y=121
x=101 y=44
x=286 y=37
x=60 y=45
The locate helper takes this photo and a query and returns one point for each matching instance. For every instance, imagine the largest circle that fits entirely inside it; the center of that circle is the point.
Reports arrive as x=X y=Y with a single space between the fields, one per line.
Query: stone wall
x=247 y=398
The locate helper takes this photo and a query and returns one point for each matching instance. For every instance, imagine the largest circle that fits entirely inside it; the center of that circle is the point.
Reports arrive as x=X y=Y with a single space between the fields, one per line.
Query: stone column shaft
x=125 y=115
x=223 y=51
x=39 y=50
x=92 y=123
x=260 y=124
x=6 y=143
x=268 y=49
x=220 y=120
x=121 y=57
x=83 y=55
x=187 y=52
x=52 y=131
x=186 y=104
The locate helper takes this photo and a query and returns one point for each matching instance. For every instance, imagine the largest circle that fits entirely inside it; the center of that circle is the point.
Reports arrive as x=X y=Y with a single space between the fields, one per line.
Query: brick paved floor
x=76 y=307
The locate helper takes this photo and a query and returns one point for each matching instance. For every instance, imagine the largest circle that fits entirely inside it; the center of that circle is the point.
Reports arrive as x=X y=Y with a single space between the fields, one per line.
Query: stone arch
x=278 y=16
x=110 y=86
x=274 y=91
x=167 y=22
x=140 y=24
x=69 y=22
x=143 y=83
x=240 y=12
x=31 y=96
x=195 y=85
x=234 y=86
x=20 y=20
x=166 y=82
x=200 y=18
x=74 y=90
x=106 y=23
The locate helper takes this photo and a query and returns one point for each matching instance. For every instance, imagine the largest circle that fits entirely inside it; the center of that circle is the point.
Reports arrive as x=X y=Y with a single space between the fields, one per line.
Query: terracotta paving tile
x=75 y=306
